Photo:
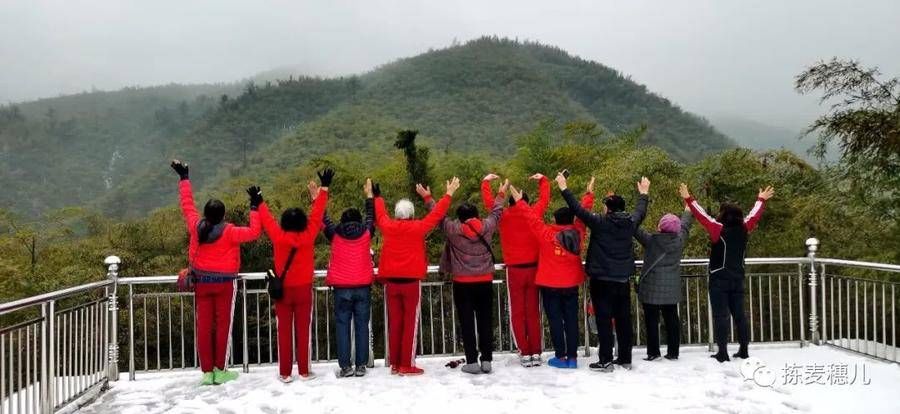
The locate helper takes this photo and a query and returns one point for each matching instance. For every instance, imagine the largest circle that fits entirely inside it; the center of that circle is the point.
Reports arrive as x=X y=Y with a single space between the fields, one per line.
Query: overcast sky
x=710 y=57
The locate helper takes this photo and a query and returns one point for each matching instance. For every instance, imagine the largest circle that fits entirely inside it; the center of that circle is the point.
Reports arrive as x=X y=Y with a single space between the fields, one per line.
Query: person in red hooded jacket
x=560 y=273
x=293 y=242
x=214 y=254
x=520 y=253
x=401 y=268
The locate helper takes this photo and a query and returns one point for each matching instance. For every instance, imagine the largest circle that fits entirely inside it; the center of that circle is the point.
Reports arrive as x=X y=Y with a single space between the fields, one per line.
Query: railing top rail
x=862 y=265
x=321 y=273
x=55 y=295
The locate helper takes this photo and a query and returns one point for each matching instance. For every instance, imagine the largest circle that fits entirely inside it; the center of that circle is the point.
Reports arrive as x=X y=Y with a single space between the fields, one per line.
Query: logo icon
x=754 y=369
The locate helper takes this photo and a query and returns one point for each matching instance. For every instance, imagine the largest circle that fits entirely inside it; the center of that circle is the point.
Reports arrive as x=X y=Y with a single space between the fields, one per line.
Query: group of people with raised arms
x=543 y=264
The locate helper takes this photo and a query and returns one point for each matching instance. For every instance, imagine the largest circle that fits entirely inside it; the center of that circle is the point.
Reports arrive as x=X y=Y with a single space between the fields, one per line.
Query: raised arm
x=317 y=214
x=487 y=195
x=642 y=236
x=713 y=227
x=272 y=228
x=328 y=226
x=640 y=208
x=587 y=202
x=687 y=218
x=759 y=206
x=370 y=215
x=434 y=217
x=186 y=195
x=543 y=201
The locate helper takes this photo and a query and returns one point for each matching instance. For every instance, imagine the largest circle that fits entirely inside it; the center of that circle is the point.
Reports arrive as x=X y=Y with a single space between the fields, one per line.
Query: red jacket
x=301 y=271
x=557 y=267
x=403 y=241
x=222 y=255
x=518 y=243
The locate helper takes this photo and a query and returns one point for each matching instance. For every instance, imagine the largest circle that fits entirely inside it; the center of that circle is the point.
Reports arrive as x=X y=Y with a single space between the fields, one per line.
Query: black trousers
x=612 y=301
x=475 y=302
x=673 y=328
x=561 y=307
x=726 y=297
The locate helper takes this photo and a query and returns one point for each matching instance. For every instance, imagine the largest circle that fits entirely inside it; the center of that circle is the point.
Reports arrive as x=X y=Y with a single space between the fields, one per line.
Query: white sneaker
x=309 y=377
x=536 y=360
x=287 y=380
x=526 y=361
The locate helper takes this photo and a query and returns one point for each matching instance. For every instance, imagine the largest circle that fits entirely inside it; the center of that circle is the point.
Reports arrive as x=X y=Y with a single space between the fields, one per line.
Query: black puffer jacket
x=610 y=254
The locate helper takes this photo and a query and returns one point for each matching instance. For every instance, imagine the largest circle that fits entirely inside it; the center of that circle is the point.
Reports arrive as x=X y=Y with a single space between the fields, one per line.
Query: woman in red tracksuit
x=559 y=275
x=401 y=268
x=520 y=253
x=294 y=310
x=214 y=254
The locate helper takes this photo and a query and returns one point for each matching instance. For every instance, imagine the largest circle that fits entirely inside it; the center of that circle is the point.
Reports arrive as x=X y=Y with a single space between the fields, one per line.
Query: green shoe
x=208 y=379
x=223 y=376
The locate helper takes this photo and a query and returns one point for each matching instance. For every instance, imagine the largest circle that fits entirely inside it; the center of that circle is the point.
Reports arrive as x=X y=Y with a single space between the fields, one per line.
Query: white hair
x=404 y=209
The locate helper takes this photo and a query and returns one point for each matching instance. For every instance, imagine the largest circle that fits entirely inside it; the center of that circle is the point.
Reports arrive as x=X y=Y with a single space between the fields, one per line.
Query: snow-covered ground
x=695 y=383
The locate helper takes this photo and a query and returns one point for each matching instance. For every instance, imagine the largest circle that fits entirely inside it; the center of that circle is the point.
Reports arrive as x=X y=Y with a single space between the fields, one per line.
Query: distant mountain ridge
x=109 y=149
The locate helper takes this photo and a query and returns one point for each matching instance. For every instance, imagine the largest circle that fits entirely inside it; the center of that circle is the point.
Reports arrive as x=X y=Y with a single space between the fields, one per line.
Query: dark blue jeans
x=352 y=303
x=561 y=306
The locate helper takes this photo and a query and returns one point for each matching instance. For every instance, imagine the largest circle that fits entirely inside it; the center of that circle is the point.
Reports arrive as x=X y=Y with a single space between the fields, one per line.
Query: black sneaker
x=721 y=357
x=626 y=365
x=651 y=357
x=671 y=357
x=345 y=372
x=360 y=371
x=741 y=354
x=601 y=366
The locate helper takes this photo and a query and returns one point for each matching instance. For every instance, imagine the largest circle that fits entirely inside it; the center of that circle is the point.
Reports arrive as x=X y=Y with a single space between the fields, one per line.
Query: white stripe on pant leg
x=412 y=359
x=312 y=307
x=512 y=327
x=230 y=325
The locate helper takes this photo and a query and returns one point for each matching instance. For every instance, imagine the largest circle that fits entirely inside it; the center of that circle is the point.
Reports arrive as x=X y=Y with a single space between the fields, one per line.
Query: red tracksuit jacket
x=224 y=254
x=557 y=267
x=403 y=246
x=518 y=243
x=302 y=269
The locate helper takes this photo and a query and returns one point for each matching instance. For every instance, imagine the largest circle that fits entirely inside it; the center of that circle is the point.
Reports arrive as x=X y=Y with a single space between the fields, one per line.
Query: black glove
x=181 y=169
x=256 y=197
x=376 y=190
x=325 y=177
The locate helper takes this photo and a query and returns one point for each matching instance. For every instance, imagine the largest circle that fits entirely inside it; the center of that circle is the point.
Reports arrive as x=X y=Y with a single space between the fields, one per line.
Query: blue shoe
x=558 y=362
x=572 y=363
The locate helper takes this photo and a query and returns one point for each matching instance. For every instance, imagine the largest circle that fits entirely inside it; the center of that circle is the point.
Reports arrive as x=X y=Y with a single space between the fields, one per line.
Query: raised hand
x=505 y=186
x=423 y=191
x=313 y=189
x=180 y=168
x=491 y=177
x=325 y=177
x=452 y=186
x=536 y=177
x=683 y=191
x=256 y=197
x=516 y=194
x=643 y=186
x=590 y=186
x=367 y=188
x=561 y=181
x=766 y=193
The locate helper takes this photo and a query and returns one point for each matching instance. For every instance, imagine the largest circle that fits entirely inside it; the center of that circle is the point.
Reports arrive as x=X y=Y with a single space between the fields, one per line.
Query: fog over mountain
x=709 y=56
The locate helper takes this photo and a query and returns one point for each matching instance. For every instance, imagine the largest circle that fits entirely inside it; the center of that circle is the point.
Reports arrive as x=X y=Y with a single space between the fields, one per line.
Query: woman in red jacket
x=559 y=274
x=214 y=254
x=520 y=253
x=401 y=268
x=293 y=242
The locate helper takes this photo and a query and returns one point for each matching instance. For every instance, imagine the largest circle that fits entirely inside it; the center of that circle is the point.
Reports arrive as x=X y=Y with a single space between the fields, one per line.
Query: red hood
x=472 y=227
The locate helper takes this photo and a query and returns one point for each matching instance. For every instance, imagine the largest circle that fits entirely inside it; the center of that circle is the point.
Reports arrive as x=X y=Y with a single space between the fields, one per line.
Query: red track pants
x=524 y=309
x=214 y=313
x=403 y=301
x=294 y=313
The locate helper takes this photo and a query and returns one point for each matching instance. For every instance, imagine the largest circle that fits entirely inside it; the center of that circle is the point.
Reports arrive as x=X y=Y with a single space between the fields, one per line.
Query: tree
x=864 y=117
x=417 y=168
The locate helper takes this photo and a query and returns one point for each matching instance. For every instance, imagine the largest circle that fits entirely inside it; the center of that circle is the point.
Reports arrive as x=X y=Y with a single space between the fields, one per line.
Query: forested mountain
x=108 y=149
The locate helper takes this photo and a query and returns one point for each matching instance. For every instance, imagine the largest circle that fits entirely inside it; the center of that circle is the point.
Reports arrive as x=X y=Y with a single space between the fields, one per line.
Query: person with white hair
x=401 y=268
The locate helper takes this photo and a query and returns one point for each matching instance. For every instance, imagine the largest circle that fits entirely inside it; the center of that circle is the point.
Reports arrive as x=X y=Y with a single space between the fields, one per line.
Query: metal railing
x=62 y=349
x=64 y=346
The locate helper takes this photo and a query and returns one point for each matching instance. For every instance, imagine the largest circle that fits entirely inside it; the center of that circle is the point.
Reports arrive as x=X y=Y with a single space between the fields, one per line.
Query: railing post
x=112 y=272
x=812 y=245
x=246 y=350
x=48 y=357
